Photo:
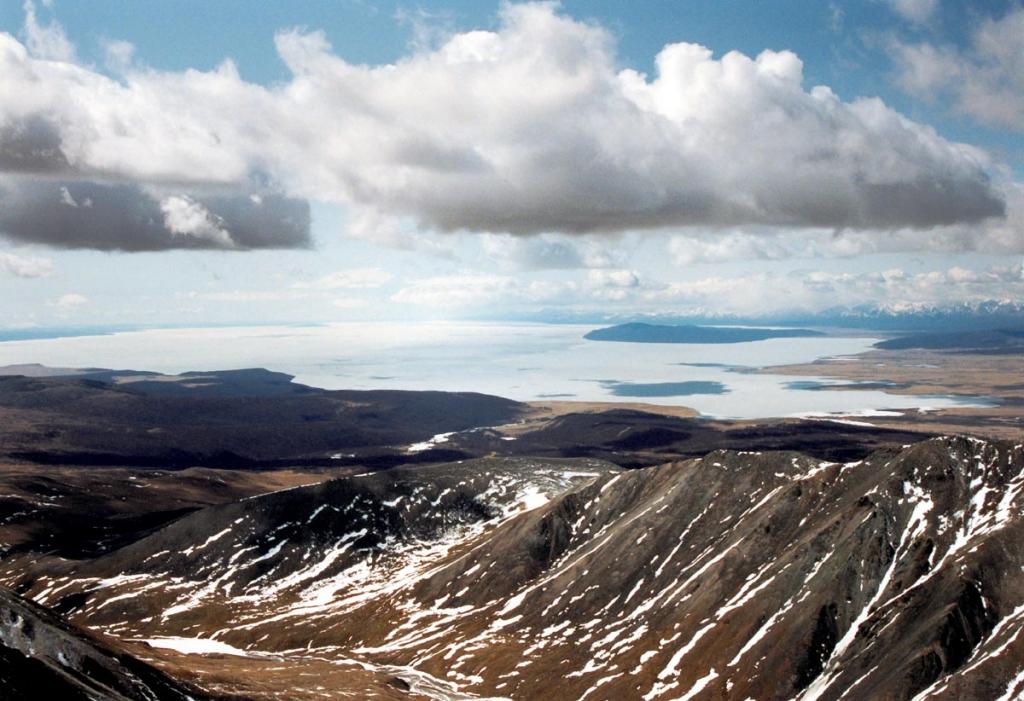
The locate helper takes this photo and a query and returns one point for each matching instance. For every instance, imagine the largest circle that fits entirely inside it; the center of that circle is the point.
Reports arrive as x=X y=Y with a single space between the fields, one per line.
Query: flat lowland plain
x=999 y=377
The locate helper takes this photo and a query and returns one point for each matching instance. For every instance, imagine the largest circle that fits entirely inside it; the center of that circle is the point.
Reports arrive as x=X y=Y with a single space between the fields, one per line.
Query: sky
x=307 y=162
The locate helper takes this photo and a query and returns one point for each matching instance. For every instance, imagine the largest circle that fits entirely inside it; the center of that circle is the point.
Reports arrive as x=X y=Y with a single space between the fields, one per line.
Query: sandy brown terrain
x=266 y=677
x=930 y=372
x=541 y=413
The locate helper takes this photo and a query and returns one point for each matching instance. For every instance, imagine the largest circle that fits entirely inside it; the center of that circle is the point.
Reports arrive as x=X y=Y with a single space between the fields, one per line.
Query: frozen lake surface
x=521 y=361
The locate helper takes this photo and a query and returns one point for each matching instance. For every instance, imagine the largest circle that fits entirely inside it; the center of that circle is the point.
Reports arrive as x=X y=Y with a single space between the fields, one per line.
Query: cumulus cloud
x=184 y=216
x=756 y=294
x=31 y=145
x=984 y=81
x=550 y=251
x=531 y=129
x=25 y=266
x=997 y=236
x=66 y=140
x=527 y=129
x=612 y=285
x=815 y=291
x=768 y=246
x=687 y=249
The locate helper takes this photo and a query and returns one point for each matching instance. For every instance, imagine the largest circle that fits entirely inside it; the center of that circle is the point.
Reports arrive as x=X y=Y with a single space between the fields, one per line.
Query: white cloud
x=119 y=55
x=351 y=279
x=836 y=15
x=998 y=236
x=428 y=28
x=66 y=198
x=552 y=251
x=317 y=296
x=735 y=245
x=71 y=301
x=612 y=285
x=25 y=266
x=186 y=217
x=754 y=294
x=46 y=41
x=457 y=290
x=397 y=232
x=613 y=278
x=468 y=290
x=530 y=128
x=816 y=291
x=916 y=11
x=985 y=81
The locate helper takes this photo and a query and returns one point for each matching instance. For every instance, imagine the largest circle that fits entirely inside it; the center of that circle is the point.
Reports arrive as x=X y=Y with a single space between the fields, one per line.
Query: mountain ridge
x=734 y=575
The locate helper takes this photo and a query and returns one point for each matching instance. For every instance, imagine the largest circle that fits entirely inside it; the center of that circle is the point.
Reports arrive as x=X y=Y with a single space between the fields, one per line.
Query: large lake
x=516 y=360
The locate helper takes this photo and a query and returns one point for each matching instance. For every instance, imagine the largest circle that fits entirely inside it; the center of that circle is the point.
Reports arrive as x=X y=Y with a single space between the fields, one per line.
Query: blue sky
x=515 y=160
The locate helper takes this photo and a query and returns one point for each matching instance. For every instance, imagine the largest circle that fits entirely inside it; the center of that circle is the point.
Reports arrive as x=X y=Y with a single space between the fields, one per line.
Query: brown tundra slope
x=738 y=575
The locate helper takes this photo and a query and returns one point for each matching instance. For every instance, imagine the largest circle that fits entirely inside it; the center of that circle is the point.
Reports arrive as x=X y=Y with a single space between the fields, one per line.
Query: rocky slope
x=640 y=439
x=82 y=513
x=42 y=658
x=737 y=575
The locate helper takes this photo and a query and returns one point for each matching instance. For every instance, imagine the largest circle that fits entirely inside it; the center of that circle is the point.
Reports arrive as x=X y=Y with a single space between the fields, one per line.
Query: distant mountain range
x=921 y=317
x=896 y=318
